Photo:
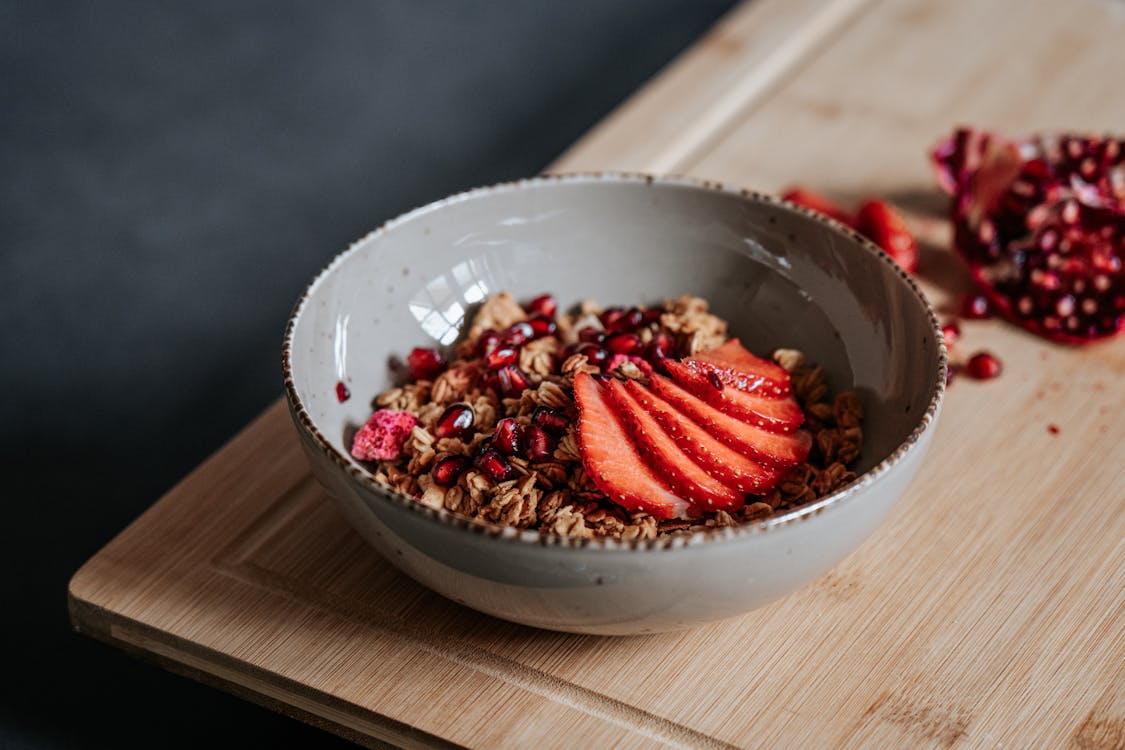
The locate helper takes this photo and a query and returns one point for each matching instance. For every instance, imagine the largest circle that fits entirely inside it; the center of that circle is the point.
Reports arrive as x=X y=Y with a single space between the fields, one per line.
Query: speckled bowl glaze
x=779 y=274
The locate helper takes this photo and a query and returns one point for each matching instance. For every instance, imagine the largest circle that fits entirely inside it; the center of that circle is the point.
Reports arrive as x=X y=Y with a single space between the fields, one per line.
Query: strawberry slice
x=686 y=477
x=819 y=203
x=780 y=414
x=734 y=355
x=774 y=448
x=884 y=226
x=612 y=461
x=722 y=462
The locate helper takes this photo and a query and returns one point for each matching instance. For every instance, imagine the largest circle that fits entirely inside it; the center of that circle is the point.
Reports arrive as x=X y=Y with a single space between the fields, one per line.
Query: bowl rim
x=510 y=534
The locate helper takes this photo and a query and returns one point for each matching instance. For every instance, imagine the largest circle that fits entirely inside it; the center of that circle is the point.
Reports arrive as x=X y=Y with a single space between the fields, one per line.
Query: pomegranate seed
x=539 y=445
x=508 y=437
x=489 y=339
x=494 y=465
x=591 y=335
x=446 y=471
x=652 y=315
x=542 y=326
x=455 y=421
x=549 y=419
x=501 y=357
x=595 y=354
x=342 y=392
x=983 y=366
x=425 y=364
x=569 y=351
x=518 y=334
x=507 y=381
x=624 y=343
x=660 y=347
x=950 y=371
x=714 y=379
x=1053 y=429
x=544 y=305
x=610 y=315
x=950 y=332
x=976 y=307
x=627 y=321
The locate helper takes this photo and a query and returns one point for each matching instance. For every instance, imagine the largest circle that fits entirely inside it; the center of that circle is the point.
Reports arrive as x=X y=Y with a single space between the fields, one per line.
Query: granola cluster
x=552 y=493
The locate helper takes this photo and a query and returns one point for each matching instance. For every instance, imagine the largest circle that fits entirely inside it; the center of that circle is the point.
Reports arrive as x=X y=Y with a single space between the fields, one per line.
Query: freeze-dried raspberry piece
x=383 y=436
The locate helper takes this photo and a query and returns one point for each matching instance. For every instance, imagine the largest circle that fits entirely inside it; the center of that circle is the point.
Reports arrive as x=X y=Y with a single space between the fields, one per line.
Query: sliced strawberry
x=701 y=378
x=819 y=203
x=686 y=478
x=780 y=449
x=734 y=355
x=611 y=460
x=885 y=226
x=722 y=462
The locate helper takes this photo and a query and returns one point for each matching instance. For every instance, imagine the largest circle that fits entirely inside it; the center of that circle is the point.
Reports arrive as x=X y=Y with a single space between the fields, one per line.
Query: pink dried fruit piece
x=383 y=436
x=1041 y=223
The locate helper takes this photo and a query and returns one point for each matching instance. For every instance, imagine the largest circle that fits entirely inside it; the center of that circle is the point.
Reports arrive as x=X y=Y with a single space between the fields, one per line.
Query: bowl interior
x=781 y=278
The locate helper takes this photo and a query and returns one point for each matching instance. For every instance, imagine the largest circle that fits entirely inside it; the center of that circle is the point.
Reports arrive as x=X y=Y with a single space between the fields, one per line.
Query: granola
x=493 y=436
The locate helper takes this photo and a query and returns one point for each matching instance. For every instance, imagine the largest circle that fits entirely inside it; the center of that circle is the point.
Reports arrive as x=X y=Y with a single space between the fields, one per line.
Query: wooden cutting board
x=989 y=611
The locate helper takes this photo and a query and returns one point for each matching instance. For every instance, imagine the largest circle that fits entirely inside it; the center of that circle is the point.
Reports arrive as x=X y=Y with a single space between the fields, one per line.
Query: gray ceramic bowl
x=782 y=276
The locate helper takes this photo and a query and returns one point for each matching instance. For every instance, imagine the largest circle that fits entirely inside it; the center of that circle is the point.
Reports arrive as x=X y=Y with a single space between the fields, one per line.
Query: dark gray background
x=171 y=175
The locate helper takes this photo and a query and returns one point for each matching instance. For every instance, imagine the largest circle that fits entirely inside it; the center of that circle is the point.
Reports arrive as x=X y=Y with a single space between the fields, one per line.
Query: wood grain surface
x=988 y=611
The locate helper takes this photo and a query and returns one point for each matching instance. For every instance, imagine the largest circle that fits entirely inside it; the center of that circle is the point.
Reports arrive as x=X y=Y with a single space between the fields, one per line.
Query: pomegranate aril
x=661 y=347
x=983 y=366
x=542 y=326
x=447 y=470
x=610 y=315
x=624 y=343
x=342 y=392
x=455 y=421
x=508 y=381
x=714 y=379
x=501 y=357
x=425 y=364
x=591 y=335
x=538 y=444
x=651 y=315
x=488 y=340
x=508 y=437
x=518 y=334
x=549 y=419
x=626 y=321
x=950 y=332
x=976 y=307
x=494 y=465
x=544 y=305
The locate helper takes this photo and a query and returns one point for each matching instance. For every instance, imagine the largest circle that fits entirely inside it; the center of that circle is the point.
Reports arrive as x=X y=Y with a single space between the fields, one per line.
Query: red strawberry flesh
x=774 y=448
x=884 y=226
x=780 y=414
x=734 y=355
x=820 y=204
x=613 y=463
x=664 y=456
x=724 y=463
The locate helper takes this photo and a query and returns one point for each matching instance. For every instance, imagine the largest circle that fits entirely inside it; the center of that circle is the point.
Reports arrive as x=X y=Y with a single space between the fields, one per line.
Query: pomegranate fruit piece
x=542 y=326
x=425 y=364
x=488 y=340
x=1041 y=223
x=342 y=392
x=447 y=470
x=508 y=381
x=591 y=335
x=950 y=332
x=455 y=421
x=544 y=305
x=983 y=366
